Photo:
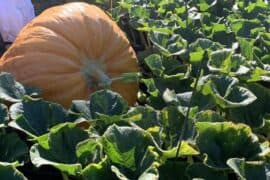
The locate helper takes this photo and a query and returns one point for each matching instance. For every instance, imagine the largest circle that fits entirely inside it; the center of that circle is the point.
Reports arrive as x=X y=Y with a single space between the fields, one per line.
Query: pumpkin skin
x=68 y=50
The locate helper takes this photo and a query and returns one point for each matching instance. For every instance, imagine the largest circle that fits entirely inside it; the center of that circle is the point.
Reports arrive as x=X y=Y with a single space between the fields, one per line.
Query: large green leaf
x=187 y=99
x=154 y=63
x=89 y=151
x=250 y=170
x=173 y=170
x=11 y=90
x=108 y=103
x=225 y=91
x=129 y=149
x=245 y=28
x=168 y=44
x=253 y=114
x=80 y=108
x=209 y=116
x=202 y=44
x=172 y=122
x=144 y=117
x=225 y=140
x=150 y=173
x=36 y=116
x=253 y=10
x=224 y=61
x=185 y=150
x=59 y=149
x=157 y=86
x=200 y=170
x=13 y=148
x=9 y=172
x=97 y=171
x=220 y=61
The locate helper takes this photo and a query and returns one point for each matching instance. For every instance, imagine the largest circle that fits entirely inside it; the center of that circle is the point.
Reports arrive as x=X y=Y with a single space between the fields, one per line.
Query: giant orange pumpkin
x=69 y=51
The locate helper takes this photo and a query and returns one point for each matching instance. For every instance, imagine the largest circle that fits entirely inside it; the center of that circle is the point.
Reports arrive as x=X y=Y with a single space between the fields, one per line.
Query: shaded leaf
x=97 y=171
x=225 y=91
x=128 y=148
x=168 y=44
x=173 y=170
x=107 y=102
x=254 y=113
x=200 y=170
x=13 y=148
x=154 y=63
x=89 y=151
x=3 y=115
x=11 y=90
x=81 y=109
x=250 y=170
x=9 y=172
x=225 y=140
x=61 y=149
x=35 y=116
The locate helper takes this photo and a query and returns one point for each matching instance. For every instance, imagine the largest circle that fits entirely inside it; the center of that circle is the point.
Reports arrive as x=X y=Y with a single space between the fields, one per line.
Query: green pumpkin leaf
x=97 y=171
x=253 y=114
x=9 y=172
x=185 y=150
x=221 y=141
x=244 y=27
x=209 y=116
x=202 y=44
x=13 y=91
x=157 y=86
x=128 y=148
x=80 y=108
x=220 y=61
x=89 y=151
x=154 y=63
x=201 y=171
x=249 y=169
x=169 y=45
x=246 y=47
x=225 y=92
x=3 y=115
x=144 y=117
x=107 y=102
x=61 y=151
x=172 y=122
x=35 y=116
x=13 y=149
x=173 y=170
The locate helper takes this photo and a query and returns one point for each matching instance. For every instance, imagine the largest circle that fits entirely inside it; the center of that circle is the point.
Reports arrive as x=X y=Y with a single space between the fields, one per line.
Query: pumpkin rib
x=64 y=37
x=61 y=61
x=39 y=77
x=52 y=41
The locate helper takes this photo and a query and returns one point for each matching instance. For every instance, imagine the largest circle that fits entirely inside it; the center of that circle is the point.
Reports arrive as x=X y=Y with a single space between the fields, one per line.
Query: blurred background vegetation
x=41 y=5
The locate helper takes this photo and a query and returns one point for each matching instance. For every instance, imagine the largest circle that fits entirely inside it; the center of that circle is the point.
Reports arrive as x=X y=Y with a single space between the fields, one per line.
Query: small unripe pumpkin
x=71 y=50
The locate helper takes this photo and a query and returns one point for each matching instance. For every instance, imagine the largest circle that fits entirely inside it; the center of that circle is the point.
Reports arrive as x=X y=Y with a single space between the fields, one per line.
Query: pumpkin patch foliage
x=199 y=71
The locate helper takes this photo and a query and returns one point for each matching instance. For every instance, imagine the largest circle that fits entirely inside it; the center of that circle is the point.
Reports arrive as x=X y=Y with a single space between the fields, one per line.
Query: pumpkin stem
x=128 y=77
x=95 y=75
